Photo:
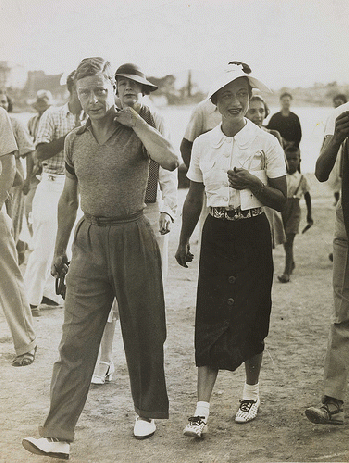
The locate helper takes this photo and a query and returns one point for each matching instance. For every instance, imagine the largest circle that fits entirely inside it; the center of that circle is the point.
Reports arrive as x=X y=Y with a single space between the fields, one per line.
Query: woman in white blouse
x=241 y=168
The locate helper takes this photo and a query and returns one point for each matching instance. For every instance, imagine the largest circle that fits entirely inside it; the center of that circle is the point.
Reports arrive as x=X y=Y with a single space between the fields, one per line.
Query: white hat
x=231 y=73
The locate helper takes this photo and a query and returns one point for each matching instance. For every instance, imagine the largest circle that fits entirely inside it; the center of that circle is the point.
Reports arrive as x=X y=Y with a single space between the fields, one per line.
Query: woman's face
x=232 y=100
x=256 y=112
x=129 y=91
x=4 y=102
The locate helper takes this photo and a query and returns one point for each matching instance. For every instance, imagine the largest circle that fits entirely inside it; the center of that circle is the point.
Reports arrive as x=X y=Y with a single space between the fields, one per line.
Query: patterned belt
x=234 y=214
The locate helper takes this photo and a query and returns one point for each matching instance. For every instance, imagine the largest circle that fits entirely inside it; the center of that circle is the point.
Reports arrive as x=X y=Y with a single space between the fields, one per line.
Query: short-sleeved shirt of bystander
x=113 y=176
x=205 y=117
x=297 y=185
x=331 y=121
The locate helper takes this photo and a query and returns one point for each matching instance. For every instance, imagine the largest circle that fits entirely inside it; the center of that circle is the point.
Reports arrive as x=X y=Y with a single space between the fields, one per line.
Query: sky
x=287 y=43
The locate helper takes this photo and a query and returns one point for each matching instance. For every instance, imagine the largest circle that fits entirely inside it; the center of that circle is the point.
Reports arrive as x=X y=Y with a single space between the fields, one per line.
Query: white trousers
x=12 y=295
x=44 y=213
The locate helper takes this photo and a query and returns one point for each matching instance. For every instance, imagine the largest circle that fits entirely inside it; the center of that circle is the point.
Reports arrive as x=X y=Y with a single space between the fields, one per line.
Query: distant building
x=12 y=75
x=39 y=80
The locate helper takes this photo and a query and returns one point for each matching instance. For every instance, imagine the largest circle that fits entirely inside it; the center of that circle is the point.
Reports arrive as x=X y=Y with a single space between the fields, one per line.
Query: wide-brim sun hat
x=132 y=71
x=231 y=73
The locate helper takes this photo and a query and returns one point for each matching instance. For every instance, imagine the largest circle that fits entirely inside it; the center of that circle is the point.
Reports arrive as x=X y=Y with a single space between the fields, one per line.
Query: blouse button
x=231 y=302
x=228 y=140
x=232 y=279
x=227 y=155
x=225 y=198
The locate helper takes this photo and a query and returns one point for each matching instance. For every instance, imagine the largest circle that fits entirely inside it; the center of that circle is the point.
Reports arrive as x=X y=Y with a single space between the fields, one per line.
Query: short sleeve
x=275 y=159
x=305 y=187
x=194 y=172
x=46 y=128
x=7 y=140
x=68 y=156
x=195 y=125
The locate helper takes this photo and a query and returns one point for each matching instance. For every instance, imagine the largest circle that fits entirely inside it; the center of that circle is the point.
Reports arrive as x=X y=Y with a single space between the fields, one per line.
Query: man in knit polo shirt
x=115 y=254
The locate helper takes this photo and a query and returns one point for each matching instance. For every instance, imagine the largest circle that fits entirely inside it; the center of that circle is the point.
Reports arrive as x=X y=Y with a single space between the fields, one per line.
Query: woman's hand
x=240 y=179
x=183 y=255
x=165 y=223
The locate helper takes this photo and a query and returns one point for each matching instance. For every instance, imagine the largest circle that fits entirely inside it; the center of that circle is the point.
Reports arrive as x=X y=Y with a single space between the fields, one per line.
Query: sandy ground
x=291 y=377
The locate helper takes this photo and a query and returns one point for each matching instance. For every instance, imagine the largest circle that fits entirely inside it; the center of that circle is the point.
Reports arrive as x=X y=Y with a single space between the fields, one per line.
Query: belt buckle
x=51 y=177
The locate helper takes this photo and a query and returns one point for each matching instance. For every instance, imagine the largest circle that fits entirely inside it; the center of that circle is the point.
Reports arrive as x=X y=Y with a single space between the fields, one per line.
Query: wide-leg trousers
x=336 y=368
x=121 y=260
x=12 y=294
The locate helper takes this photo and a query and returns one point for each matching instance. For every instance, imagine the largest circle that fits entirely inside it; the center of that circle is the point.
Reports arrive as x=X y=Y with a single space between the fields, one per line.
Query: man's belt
x=104 y=221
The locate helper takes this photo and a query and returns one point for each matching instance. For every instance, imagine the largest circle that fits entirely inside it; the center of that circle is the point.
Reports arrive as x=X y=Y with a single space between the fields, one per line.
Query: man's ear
x=115 y=86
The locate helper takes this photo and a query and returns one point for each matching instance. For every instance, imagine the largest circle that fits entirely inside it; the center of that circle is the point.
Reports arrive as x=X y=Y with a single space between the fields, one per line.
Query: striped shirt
x=55 y=123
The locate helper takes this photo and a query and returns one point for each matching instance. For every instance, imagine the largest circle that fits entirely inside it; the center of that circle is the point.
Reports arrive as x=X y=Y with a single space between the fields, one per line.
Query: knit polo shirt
x=113 y=176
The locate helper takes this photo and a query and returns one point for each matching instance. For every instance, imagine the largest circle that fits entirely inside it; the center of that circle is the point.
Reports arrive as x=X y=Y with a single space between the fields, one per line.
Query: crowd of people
x=108 y=153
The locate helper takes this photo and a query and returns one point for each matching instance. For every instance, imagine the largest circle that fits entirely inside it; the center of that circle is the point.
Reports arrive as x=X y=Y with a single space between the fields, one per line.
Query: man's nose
x=92 y=97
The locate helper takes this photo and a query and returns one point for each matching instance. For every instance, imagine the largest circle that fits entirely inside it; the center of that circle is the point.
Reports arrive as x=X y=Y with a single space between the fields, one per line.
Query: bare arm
x=186 y=147
x=330 y=147
x=190 y=217
x=29 y=163
x=159 y=149
x=274 y=195
x=7 y=175
x=307 y=198
x=48 y=150
x=67 y=208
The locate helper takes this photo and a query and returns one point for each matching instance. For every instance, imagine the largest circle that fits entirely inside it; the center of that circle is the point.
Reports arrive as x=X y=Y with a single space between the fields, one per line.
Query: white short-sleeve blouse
x=252 y=148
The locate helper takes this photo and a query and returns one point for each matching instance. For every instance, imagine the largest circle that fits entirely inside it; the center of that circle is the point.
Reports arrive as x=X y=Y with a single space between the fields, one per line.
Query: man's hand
x=127 y=116
x=341 y=130
x=240 y=179
x=59 y=266
x=164 y=223
x=183 y=255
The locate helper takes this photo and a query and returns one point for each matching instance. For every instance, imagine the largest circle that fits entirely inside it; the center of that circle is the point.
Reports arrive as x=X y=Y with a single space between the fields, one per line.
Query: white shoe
x=47 y=446
x=247 y=411
x=196 y=427
x=143 y=429
x=107 y=377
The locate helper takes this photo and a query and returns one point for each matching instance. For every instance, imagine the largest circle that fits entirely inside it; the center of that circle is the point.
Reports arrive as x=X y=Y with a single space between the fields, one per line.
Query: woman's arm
x=190 y=217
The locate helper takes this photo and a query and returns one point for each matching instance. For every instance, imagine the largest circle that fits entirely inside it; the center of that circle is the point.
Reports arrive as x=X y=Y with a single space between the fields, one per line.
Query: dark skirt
x=234 y=291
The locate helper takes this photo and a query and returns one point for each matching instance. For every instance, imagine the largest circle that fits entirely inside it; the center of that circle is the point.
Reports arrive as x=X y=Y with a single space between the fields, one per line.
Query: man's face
x=285 y=102
x=129 y=91
x=42 y=105
x=96 y=95
x=232 y=100
x=4 y=102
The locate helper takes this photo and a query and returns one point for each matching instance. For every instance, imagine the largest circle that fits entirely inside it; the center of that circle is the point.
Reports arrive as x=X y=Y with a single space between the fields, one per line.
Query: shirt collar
x=243 y=138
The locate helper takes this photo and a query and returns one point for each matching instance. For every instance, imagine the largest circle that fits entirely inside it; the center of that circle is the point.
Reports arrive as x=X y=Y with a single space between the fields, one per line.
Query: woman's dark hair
x=93 y=66
x=70 y=82
x=259 y=98
x=285 y=94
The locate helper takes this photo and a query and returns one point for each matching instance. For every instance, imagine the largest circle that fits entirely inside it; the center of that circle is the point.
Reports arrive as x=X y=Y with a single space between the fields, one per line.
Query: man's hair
x=259 y=98
x=70 y=82
x=285 y=94
x=292 y=149
x=93 y=66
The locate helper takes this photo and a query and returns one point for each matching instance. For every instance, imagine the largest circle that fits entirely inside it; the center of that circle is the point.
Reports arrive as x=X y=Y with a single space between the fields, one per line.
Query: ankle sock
x=202 y=409
x=250 y=392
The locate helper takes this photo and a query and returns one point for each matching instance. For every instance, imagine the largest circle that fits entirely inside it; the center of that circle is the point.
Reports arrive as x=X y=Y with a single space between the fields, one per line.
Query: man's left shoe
x=247 y=411
x=47 y=446
x=144 y=428
x=330 y=412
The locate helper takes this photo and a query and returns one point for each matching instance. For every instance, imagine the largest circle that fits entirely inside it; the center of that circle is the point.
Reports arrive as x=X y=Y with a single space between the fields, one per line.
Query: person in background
x=286 y=122
x=12 y=294
x=339 y=99
x=336 y=367
x=236 y=264
x=43 y=102
x=15 y=203
x=160 y=197
x=115 y=254
x=297 y=186
x=258 y=110
x=54 y=126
